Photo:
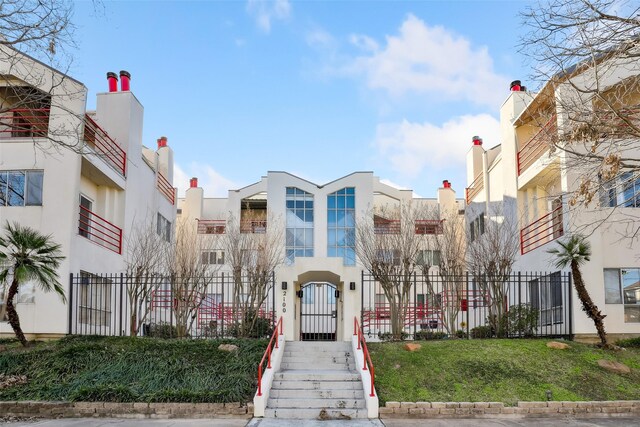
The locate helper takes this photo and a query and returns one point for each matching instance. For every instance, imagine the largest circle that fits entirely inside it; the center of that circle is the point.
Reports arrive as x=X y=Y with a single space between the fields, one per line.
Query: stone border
x=40 y=409
x=613 y=408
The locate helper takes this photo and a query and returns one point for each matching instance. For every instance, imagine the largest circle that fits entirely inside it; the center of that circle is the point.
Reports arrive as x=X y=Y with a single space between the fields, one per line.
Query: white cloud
x=319 y=38
x=213 y=184
x=265 y=11
x=427 y=59
x=410 y=147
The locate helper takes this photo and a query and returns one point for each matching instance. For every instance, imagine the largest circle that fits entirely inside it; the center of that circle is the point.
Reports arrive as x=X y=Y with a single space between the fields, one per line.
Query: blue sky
x=318 y=89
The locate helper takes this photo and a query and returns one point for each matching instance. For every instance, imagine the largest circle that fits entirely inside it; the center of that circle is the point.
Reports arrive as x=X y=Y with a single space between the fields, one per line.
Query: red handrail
x=474 y=189
x=24 y=123
x=267 y=353
x=99 y=230
x=542 y=231
x=535 y=147
x=104 y=145
x=211 y=226
x=362 y=344
x=166 y=188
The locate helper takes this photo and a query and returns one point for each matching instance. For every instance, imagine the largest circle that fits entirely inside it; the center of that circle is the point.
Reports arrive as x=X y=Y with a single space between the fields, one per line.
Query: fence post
x=362 y=299
x=221 y=312
x=121 y=302
x=468 y=305
x=570 y=300
x=415 y=305
x=70 y=303
x=519 y=301
x=273 y=300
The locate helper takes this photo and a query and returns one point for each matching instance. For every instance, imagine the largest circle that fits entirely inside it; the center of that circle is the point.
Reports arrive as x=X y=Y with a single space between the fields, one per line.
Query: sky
x=319 y=89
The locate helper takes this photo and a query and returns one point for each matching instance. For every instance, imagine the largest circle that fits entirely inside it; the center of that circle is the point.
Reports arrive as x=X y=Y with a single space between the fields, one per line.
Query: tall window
x=163 y=228
x=545 y=296
x=94 y=299
x=211 y=257
x=299 y=236
x=21 y=188
x=428 y=257
x=622 y=285
x=623 y=191
x=476 y=227
x=341 y=225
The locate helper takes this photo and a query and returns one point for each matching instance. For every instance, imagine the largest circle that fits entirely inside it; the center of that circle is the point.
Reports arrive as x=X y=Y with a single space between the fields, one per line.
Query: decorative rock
x=412 y=347
x=558 y=345
x=228 y=347
x=613 y=366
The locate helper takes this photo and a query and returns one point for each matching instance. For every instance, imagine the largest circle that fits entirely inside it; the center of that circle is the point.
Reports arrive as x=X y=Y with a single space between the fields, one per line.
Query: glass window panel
x=298 y=238
x=341 y=215
x=349 y=256
x=341 y=202
x=331 y=251
x=332 y=218
x=291 y=190
x=299 y=252
x=350 y=236
x=331 y=237
x=309 y=218
x=308 y=237
x=290 y=256
x=290 y=204
x=340 y=252
x=350 y=219
x=3 y=188
x=612 y=286
x=308 y=204
x=289 y=237
x=15 y=196
x=34 y=188
x=340 y=238
x=331 y=202
x=300 y=215
x=351 y=202
x=342 y=191
x=308 y=252
x=632 y=313
x=299 y=204
x=631 y=285
x=350 y=190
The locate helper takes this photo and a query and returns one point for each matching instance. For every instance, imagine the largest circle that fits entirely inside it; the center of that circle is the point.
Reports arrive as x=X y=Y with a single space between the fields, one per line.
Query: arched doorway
x=318 y=311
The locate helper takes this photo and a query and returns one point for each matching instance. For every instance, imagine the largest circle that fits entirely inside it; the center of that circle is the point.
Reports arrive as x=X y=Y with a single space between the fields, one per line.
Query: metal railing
x=475 y=188
x=386 y=226
x=535 y=147
x=367 y=364
x=428 y=226
x=99 y=230
x=253 y=226
x=24 y=123
x=542 y=231
x=211 y=226
x=394 y=226
x=273 y=343
x=166 y=189
x=104 y=146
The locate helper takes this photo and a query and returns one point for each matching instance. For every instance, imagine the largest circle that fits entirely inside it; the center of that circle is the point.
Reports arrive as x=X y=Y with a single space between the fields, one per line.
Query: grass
x=500 y=371
x=115 y=369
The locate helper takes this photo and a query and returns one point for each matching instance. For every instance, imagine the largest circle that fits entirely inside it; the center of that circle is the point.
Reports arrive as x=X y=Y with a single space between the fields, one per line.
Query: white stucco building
x=87 y=198
x=319 y=224
x=532 y=186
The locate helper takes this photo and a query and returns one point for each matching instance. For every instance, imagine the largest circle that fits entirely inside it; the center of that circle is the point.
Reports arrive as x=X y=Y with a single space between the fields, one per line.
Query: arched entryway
x=319 y=305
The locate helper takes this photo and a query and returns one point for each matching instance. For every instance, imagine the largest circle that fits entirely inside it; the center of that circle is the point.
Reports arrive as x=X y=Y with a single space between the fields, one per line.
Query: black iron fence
x=169 y=306
x=437 y=306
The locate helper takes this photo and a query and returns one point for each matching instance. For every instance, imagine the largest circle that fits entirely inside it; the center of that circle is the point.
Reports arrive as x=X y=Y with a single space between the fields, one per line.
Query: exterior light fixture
x=352 y=286
x=284 y=286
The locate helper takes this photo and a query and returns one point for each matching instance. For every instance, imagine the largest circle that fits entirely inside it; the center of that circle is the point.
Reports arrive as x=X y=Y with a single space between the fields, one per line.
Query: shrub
x=522 y=320
x=630 y=342
x=388 y=336
x=481 y=332
x=430 y=335
x=262 y=328
x=461 y=334
x=161 y=330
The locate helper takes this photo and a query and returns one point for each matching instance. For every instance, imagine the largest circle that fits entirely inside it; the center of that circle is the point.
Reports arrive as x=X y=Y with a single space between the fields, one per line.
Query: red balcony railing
x=99 y=230
x=428 y=226
x=254 y=226
x=542 y=231
x=166 y=189
x=475 y=188
x=104 y=146
x=533 y=149
x=24 y=123
x=386 y=226
x=211 y=226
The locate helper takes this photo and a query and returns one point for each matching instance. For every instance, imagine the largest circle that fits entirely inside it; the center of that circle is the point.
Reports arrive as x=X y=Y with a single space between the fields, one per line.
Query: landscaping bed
x=495 y=370
x=115 y=369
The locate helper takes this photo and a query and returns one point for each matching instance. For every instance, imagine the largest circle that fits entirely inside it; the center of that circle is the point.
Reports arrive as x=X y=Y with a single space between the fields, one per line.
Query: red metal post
x=260 y=380
x=125 y=79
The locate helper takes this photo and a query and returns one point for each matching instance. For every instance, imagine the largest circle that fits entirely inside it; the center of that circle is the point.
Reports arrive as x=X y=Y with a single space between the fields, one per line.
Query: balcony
x=428 y=226
x=211 y=226
x=165 y=188
x=386 y=226
x=542 y=231
x=104 y=146
x=534 y=148
x=254 y=226
x=24 y=123
x=99 y=230
x=475 y=188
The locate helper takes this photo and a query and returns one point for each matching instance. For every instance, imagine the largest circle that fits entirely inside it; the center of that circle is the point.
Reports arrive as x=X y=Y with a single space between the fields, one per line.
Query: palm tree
x=26 y=255
x=574 y=252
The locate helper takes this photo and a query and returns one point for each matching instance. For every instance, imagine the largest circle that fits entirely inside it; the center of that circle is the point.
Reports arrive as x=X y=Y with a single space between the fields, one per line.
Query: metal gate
x=318 y=312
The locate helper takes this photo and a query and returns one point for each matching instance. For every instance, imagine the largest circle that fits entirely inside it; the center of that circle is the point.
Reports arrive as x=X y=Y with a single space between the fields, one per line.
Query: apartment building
x=527 y=182
x=84 y=177
x=318 y=285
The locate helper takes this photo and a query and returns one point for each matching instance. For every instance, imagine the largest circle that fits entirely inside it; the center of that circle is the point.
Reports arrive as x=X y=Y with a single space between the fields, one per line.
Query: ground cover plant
x=500 y=371
x=113 y=369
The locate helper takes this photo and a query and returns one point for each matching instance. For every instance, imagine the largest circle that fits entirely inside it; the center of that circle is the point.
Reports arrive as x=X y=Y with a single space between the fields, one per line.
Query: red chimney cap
x=112 y=78
x=515 y=86
x=125 y=74
x=162 y=141
x=446 y=183
x=193 y=182
x=477 y=140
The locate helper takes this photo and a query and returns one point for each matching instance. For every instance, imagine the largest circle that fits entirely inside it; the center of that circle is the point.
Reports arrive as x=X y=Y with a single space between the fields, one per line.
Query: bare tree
x=586 y=54
x=449 y=243
x=491 y=253
x=190 y=274
x=388 y=246
x=253 y=257
x=147 y=265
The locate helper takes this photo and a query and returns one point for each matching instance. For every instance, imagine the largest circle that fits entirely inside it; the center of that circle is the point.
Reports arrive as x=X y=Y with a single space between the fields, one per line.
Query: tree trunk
x=587 y=304
x=12 y=314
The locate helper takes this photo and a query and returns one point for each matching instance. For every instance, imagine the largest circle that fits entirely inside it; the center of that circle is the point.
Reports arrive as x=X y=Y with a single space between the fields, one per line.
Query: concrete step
x=317 y=354
x=318 y=345
x=318 y=385
x=313 y=393
x=312 y=375
x=316 y=403
x=316 y=413
x=316 y=366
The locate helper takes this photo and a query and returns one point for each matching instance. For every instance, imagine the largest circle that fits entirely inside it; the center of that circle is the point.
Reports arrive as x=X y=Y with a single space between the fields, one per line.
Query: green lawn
x=133 y=370
x=500 y=371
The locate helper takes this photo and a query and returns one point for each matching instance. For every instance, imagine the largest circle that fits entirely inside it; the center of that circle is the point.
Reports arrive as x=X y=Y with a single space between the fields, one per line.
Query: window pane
x=632 y=313
x=34 y=188
x=351 y=202
x=3 y=188
x=612 y=286
x=331 y=202
x=15 y=195
x=631 y=285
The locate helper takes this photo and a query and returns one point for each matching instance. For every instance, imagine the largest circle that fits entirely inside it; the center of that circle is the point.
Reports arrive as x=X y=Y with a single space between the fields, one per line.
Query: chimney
x=477 y=140
x=162 y=141
x=446 y=184
x=516 y=86
x=125 y=79
x=112 y=78
x=193 y=182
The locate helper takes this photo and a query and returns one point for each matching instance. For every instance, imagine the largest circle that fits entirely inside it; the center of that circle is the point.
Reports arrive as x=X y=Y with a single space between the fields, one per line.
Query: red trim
x=545 y=229
x=166 y=188
x=357 y=330
x=98 y=139
x=474 y=189
x=24 y=123
x=267 y=353
x=99 y=230
x=211 y=226
x=535 y=147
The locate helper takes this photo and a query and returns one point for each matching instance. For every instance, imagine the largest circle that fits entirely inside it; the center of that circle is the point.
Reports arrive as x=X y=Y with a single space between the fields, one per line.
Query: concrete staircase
x=317 y=380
